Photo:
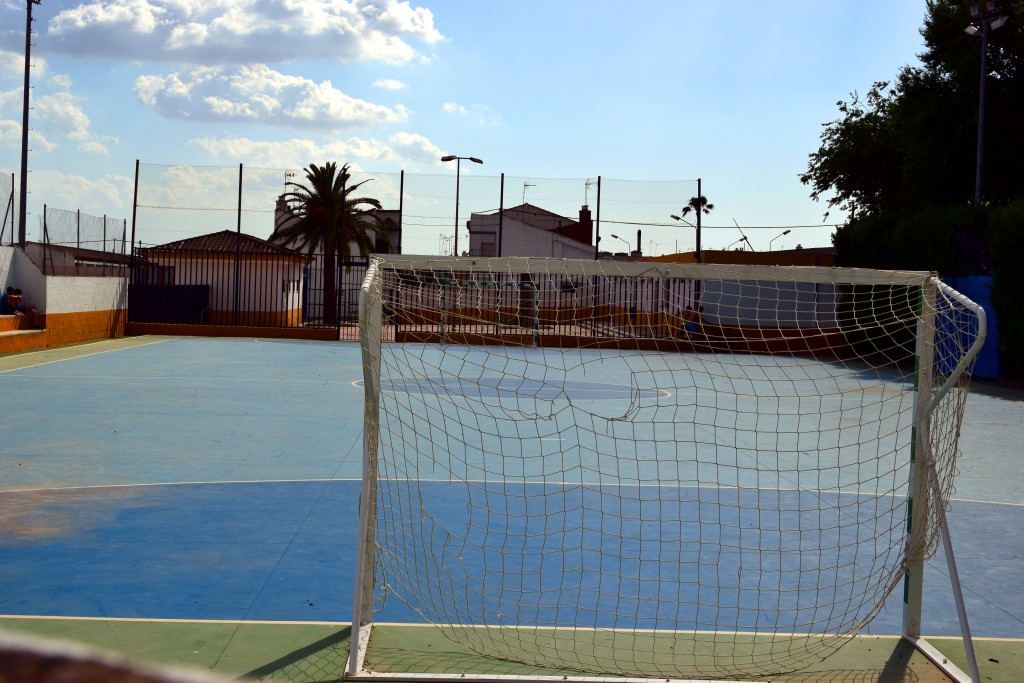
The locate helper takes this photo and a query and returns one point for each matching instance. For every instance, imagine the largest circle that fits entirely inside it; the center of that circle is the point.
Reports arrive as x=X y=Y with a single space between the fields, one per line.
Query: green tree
x=698 y=205
x=902 y=160
x=1007 y=226
x=912 y=142
x=324 y=216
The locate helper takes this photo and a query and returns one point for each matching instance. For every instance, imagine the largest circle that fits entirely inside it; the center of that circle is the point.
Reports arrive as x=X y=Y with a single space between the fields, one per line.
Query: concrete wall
x=71 y=309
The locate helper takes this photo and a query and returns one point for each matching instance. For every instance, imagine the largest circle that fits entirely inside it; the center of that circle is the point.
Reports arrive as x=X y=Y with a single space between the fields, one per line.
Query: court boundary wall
x=75 y=309
x=71 y=309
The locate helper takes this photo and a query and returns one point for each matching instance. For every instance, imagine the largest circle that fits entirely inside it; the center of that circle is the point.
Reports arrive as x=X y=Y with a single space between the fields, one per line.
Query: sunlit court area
x=597 y=502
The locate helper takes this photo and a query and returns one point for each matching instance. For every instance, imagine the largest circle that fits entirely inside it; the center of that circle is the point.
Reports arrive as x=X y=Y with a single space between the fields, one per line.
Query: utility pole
x=24 y=125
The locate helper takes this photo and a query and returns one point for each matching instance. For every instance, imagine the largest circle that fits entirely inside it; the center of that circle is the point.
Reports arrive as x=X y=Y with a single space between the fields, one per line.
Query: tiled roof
x=226 y=241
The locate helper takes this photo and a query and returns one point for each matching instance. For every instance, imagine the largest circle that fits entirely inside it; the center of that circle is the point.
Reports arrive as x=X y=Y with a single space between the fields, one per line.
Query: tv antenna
x=526 y=185
x=745 y=239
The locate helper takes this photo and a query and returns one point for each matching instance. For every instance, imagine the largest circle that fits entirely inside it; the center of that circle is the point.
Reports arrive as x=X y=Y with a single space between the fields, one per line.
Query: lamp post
x=616 y=237
x=985 y=17
x=781 y=234
x=686 y=222
x=742 y=239
x=458 y=173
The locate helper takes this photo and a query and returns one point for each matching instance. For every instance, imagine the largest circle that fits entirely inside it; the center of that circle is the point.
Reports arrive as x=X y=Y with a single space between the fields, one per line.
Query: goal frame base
x=944 y=668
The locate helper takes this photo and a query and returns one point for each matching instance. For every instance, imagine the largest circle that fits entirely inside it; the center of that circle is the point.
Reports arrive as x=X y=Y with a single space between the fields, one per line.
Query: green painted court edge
x=317 y=652
x=27 y=359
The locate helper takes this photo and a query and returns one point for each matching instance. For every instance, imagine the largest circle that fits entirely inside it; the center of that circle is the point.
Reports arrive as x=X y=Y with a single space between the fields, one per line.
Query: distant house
x=222 y=278
x=528 y=230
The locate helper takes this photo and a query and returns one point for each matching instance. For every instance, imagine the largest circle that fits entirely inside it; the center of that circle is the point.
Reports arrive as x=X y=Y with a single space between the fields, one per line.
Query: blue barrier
x=978 y=289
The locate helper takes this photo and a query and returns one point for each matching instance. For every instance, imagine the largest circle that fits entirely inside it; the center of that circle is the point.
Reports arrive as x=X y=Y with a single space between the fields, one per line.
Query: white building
x=528 y=230
x=223 y=278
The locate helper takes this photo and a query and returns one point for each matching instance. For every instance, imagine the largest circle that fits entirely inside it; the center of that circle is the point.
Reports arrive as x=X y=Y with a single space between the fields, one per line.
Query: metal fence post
x=238 y=249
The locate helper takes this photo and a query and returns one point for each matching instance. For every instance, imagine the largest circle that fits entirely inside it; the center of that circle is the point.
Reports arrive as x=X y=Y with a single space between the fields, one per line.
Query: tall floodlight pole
x=24 y=125
x=984 y=18
x=458 y=173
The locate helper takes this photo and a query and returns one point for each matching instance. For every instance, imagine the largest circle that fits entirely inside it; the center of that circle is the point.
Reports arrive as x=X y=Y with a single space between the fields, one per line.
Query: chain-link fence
x=460 y=212
x=8 y=227
x=181 y=210
x=76 y=243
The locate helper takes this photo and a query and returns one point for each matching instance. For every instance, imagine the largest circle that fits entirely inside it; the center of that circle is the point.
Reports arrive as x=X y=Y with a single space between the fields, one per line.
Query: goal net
x=653 y=470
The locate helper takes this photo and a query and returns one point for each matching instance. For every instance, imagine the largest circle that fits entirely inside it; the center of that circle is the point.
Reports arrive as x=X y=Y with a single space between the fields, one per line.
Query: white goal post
x=654 y=470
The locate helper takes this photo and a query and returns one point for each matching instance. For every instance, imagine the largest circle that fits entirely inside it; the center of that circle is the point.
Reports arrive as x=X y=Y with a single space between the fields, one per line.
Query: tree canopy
x=911 y=141
x=324 y=216
x=901 y=161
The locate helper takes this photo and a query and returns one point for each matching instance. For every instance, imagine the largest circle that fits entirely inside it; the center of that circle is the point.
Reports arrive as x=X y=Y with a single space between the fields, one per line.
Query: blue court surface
x=218 y=479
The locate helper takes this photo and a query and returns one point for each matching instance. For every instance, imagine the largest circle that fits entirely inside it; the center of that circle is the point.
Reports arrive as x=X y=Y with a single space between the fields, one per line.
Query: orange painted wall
x=289 y=318
x=321 y=334
x=65 y=328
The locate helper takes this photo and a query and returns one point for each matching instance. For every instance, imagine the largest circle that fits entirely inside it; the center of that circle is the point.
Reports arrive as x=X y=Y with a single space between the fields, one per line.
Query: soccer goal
x=654 y=470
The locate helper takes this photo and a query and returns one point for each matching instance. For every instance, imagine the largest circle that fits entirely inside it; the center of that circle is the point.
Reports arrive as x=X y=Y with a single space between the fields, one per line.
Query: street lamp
x=616 y=237
x=781 y=234
x=984 y=18
x=458 y=173
x=742 y=239
x=686 y=222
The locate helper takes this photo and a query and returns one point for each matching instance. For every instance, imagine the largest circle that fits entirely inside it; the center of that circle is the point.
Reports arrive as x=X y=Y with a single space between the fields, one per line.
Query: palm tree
x=323 y=214
x=698 y=205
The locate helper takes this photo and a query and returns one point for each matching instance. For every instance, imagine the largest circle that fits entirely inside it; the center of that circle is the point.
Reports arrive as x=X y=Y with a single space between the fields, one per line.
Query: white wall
x=519 y=239
x=69 y=294
x=6 y=255
x=57 y=294
x=262 y=283
x=24 y=275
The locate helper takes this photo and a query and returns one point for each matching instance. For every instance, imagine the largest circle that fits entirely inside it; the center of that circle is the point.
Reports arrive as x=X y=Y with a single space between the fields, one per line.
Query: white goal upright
x=654 y=470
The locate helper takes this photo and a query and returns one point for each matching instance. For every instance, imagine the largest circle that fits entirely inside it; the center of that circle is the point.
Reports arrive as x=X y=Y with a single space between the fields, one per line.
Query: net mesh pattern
x=675 y=472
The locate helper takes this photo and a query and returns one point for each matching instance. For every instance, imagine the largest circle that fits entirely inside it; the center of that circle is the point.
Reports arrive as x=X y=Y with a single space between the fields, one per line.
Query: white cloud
x=10 y=137
x=10 y=134
x=90 y=195
x=60 y=81
x=93 y=147
x=415 y=147
x=481 y=112
x=259 y=94
x=61 y=112
x=11 y=102
x=389 y=84
x=400 y=148
x=485 y=116
x=12 y=66
x=242 y=31
x=38 y=142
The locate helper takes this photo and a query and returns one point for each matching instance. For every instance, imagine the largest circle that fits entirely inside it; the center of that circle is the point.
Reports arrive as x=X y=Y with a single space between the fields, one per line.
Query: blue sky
x=732 y=92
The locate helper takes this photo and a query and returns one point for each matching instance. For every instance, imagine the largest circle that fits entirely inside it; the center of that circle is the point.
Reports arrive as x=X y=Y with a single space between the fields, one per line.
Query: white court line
x=281 y=380
x=87 y=487
x=83 y=355
x=40 y=617
x=270 y=622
